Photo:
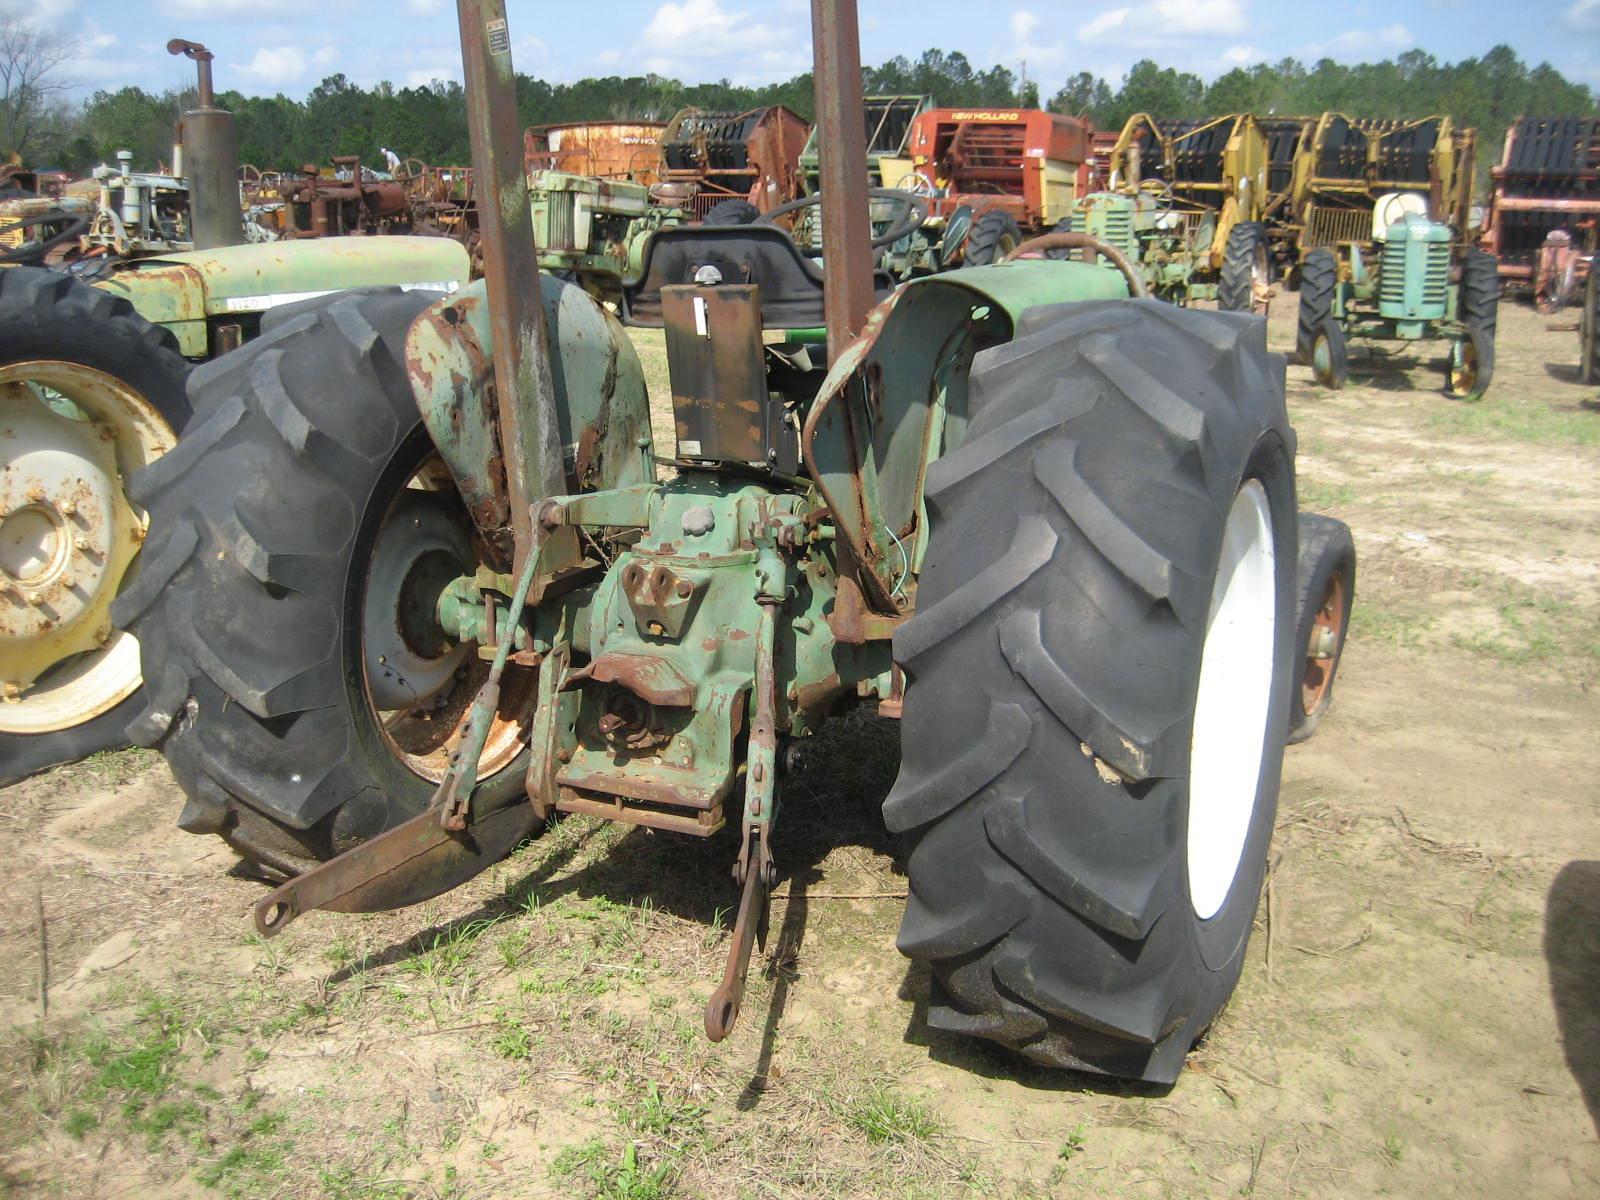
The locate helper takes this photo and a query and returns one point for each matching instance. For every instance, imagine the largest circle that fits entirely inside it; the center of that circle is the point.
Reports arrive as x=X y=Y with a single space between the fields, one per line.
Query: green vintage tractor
x=1381 y=210
x=93 y=372
x=417 y=582
x=1184 y=207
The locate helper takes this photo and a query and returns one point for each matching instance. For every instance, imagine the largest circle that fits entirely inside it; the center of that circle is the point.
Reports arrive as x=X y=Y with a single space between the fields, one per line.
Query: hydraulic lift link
x=433 y=851
x=754 y=869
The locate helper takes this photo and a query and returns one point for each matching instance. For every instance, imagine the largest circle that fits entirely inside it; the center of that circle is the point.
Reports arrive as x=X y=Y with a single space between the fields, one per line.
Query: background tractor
x=1183 y=205
x=414 y=586
x=93 y=383
x=1382 y=213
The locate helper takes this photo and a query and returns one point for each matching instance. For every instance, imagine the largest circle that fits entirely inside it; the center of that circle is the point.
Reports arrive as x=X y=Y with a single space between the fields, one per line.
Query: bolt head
x=36 y=598
x=80 y=542
x=68 y=507
x=36 y=495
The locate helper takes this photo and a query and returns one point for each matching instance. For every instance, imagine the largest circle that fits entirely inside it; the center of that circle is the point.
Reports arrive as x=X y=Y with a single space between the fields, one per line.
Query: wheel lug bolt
x=80 y=542
x=35 y=598
x=68 y=508
x=13 y=693
x=36 y=495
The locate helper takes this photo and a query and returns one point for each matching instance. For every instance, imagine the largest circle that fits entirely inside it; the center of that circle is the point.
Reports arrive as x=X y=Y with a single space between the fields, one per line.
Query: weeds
x=883 y=1116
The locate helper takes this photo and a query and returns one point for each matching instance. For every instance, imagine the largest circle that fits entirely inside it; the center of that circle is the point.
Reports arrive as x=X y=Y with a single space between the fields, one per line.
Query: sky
x=411 y=42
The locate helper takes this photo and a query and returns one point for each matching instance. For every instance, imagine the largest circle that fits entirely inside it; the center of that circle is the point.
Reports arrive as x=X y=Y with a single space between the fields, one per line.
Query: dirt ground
x=1420 y=1014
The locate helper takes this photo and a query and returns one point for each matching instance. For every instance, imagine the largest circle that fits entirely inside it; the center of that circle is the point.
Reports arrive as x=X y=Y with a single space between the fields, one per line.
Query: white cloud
x=212 y=8
x=424 y=8
x=1584 y=16
x=1240 y=56
x=1024 y=47
x=423 y=76
x=1355 y=42
x=280 y=66
x=1161 y=22
x=699 y=38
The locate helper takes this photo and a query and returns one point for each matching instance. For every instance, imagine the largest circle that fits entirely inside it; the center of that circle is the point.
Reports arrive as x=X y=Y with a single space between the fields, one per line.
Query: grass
x=1519 y=418
x=882 y=1115
x=613 y=1176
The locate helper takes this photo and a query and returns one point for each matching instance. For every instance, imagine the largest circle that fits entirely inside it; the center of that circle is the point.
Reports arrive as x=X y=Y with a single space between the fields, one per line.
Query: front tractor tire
x=1099 y=674
x=90 y=392
x=298 y=683
x=1246 y=282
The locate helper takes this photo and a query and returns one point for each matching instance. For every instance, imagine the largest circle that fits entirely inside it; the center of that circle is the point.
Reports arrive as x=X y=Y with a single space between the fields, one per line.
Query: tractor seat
x=765 y=255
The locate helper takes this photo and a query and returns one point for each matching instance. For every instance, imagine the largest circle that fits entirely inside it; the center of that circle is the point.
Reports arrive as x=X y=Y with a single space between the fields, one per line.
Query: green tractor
x=592 y=231
x=1381 y=211
x=94 y=367
x=416 y=584
x=1184 y=207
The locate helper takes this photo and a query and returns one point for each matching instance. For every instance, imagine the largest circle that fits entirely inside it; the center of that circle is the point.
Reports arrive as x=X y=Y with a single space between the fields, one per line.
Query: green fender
x=601 y=399
x=896 y=400
x=185 y=291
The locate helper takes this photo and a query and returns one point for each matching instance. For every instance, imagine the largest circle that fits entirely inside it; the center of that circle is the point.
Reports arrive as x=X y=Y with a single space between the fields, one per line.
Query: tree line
x=340 y=117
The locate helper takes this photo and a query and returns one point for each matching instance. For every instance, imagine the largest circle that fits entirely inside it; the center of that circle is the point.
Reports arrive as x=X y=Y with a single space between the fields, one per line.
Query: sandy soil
x=1420 y=1015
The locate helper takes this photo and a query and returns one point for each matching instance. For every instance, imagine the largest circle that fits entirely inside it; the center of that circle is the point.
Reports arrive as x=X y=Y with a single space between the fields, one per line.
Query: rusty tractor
x=1382 y=214
x=93 y=373
x=1544 y=210
x=1183 y=206
x=729 y=168
x=415 y=586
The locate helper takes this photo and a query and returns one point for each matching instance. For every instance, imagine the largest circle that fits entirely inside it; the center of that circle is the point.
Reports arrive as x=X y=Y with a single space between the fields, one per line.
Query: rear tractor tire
x=1326 y=594
x=1246 y=283
x=1099 y=673
x=90 y=392
x=299 y=685
x=994 y=235
x=1319 y=276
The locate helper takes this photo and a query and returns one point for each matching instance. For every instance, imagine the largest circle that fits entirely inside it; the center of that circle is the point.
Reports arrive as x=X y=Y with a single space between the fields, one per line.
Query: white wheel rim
x=1233 y=704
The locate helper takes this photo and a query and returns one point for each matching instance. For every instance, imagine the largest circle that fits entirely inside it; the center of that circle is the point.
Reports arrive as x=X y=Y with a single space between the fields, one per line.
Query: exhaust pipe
x=210 y=160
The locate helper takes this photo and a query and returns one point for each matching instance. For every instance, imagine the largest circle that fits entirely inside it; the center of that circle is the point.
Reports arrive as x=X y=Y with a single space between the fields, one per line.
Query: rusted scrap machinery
x=1381 y=213
x=1544 y=210
x=1182 y=203
x=947 y=187
x=92 y=388
x=413 y=586
x=995 y=176
x=716 y=164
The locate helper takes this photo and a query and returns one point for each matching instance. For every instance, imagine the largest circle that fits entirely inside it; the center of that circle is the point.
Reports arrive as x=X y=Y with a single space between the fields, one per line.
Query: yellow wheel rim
x=72 y=437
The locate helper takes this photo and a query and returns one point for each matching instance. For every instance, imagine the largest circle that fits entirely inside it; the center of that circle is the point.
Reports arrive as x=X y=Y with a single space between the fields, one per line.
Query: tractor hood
x=184 y=291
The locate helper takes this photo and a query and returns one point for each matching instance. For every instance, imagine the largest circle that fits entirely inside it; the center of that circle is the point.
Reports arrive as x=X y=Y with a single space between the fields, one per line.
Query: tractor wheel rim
x=1463 y=367
x=68 y=536
x=1323 y=645
x=418 y=682
x=1321 y=358
x=1260 y=282
x=1233 y=705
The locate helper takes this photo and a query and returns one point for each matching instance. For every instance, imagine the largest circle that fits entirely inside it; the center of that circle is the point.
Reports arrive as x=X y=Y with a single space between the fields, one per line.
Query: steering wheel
x=910 y=213
x=1067 y=240
x=915 y=183
x=1162 y=190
